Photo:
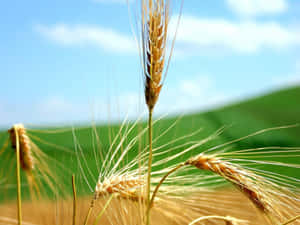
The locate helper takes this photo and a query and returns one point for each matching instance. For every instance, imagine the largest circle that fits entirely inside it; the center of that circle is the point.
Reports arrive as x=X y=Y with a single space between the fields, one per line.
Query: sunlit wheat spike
x=26 y=158
x=242 y=178
x=121 y=186
x=125 y=186
x=155 y=18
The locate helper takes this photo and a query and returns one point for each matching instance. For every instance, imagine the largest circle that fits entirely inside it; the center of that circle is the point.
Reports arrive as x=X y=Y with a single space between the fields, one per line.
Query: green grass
x=279 y=108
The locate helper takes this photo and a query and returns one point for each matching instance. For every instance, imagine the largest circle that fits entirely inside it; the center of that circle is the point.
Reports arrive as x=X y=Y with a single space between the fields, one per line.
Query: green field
x=274 y=109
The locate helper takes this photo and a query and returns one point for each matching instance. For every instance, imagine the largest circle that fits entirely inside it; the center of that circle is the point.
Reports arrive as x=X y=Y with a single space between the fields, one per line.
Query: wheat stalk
x=74 y=200
x=155 y=19
x=17 y=140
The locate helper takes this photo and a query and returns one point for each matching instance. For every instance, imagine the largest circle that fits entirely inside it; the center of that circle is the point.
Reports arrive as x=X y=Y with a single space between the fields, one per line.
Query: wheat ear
x=154 y=40
x=123 y=186
x=238 y=176
x=26 y=159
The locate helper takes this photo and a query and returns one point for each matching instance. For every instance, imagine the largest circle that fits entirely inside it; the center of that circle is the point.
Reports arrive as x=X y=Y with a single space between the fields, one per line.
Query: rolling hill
x=279 y=108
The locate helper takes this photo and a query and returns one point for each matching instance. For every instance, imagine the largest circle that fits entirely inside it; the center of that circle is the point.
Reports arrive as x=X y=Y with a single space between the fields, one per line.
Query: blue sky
x=64 y=61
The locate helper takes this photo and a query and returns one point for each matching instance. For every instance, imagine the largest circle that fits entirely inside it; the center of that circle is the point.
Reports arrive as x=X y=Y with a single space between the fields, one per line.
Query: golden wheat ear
x=128 y=187
x=155 y=21
x=121 y=186
x=26 y=158
x=238 y=176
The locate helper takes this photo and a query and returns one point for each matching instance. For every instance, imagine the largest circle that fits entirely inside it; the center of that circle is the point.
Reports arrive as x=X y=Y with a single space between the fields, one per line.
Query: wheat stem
x=162 y=180
x=149 y=167
x=291 y=220
x=89 y=213
x=74 y=199
x=19 y=201
x=104 y=208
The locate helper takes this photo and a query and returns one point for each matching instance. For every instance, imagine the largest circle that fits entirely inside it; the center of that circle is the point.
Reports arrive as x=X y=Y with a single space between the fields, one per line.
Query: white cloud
x=196 y=86
x=196 y=34
x=257 y=7
x=104 y=38
x=196 y=93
